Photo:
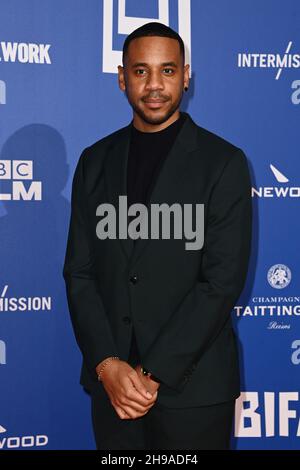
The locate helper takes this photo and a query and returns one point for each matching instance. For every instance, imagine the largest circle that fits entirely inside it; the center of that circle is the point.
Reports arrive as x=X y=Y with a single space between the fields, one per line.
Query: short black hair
x=153 y=29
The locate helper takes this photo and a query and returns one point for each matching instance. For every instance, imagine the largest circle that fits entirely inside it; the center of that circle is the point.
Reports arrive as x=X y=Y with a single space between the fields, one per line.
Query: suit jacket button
x=134 y=279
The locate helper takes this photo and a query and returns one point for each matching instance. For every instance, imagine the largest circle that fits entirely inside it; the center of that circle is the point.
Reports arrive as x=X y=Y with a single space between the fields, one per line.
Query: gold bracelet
x=104 y=364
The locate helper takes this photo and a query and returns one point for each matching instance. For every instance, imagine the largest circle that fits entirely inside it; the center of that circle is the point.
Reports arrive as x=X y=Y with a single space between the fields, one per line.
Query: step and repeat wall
x=58 y=94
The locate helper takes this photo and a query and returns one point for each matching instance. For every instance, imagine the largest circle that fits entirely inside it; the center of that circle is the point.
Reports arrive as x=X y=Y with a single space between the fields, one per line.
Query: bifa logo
x=17 y=442
x=2 y=352
x=25 y=53
x=255 y=414
x=126 y=24
x=17 y=171
x=282 y=191
x=2 y=92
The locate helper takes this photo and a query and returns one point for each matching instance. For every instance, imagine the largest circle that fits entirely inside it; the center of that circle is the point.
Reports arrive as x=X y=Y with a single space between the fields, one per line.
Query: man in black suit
x=151 y=317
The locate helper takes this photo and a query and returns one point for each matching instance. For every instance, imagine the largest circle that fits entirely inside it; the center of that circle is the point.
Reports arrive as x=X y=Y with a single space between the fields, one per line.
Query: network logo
x=282 y=191
x=25 y=53
x=279 y=276
x=126 y=24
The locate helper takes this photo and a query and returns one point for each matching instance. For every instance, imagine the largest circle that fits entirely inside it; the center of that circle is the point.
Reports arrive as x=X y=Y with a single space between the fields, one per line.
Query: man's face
x=153 y=77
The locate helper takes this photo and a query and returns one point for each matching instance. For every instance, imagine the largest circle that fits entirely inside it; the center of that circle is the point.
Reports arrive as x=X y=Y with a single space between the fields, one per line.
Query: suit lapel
x=166 y=186
x=116 y=177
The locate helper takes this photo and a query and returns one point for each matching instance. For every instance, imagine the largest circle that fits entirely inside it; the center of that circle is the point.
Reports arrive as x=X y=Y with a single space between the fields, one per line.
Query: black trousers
x=198 y=428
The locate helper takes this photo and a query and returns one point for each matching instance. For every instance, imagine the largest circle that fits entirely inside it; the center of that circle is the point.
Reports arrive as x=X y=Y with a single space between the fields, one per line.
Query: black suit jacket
x=178 y=300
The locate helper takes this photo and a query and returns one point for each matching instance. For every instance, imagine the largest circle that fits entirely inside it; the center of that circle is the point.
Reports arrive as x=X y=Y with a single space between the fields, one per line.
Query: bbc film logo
x=14 y=173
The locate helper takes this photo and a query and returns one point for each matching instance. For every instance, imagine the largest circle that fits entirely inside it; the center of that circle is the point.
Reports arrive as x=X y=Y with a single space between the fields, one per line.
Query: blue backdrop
x=58 y=94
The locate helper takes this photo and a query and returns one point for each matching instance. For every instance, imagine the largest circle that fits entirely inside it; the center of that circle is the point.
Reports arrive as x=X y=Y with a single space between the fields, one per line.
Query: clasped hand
x=131 y=393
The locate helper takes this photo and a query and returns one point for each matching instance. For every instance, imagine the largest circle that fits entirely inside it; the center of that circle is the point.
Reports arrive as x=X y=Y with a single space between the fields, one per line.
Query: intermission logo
x=126 y=24
x=15 y=172
x=17 y=442
x=25 y=53
x=278 y=61
x=278 y=191
x=267 y=414
x=2 y=352
x=23 y=304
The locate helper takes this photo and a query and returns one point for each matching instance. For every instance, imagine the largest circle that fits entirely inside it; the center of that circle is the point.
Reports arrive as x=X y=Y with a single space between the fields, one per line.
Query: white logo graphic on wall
x=2 y=92
x=295 y=96
x=282 y=191
x=279 y=61
x=279 y=276
x=126 y=24
x=24 y=304
x=267 y=414
x=16 y=172
x=24 y=53
x=276 y=308
x=295 y=357
x=15 y=442
x=2 y=352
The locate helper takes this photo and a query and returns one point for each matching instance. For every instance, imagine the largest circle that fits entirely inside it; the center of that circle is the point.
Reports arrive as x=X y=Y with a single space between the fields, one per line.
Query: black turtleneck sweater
x=147 y=153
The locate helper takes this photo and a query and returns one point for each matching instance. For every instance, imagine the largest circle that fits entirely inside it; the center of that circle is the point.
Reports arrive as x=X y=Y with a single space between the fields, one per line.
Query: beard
x=152 y=119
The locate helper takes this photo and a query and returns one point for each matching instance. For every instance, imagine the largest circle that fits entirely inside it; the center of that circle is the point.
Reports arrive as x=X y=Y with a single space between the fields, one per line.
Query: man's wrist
x=98 y=367
x=102 y=365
